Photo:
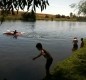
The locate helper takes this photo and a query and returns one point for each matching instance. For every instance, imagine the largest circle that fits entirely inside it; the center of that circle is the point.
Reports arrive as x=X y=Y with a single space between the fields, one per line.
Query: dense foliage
x=29 y=16
x=10 y=5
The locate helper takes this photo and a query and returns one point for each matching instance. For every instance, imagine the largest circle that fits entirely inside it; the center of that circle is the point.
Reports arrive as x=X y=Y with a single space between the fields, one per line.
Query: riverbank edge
x=72 y=68
x=39 y=16
x=8 y=18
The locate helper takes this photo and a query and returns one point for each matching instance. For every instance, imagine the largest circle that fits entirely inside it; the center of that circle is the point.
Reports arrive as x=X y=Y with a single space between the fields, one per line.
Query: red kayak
x=12 y=33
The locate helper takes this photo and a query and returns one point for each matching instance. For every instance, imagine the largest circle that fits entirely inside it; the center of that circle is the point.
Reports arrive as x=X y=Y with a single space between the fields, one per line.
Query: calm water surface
x=16 y=54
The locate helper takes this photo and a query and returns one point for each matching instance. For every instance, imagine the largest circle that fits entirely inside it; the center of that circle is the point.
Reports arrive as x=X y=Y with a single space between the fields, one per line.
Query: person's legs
x=75 y=47
x=48 y=64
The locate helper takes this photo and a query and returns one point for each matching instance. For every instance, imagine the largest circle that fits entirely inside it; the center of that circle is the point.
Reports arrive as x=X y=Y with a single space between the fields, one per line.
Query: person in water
x=82 y=43
x=75 y=45
x=15 y=36
x=15 y=32
x=46 y=55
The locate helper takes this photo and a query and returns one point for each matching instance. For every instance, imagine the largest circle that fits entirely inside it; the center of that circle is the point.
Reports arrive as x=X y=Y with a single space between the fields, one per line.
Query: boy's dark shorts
x=48 y=63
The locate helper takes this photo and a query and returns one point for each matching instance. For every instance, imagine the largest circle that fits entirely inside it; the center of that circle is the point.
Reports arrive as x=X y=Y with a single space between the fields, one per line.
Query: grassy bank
x=73 y=68
x=38 y=16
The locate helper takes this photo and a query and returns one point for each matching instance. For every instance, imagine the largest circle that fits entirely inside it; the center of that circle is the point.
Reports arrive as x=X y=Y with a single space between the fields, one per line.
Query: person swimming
x=15 y=32
x=75 y=45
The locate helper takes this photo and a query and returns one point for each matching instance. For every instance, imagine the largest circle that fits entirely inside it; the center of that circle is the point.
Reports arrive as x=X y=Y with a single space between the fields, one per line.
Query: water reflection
x=33 y=26
x=15 y=36
x=72 y=24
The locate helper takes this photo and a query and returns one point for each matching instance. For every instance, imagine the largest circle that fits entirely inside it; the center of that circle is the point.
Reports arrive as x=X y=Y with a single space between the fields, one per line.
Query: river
x=16 y=53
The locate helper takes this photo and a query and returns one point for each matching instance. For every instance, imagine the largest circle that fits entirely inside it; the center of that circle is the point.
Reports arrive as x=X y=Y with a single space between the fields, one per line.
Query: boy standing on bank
x=46 y=55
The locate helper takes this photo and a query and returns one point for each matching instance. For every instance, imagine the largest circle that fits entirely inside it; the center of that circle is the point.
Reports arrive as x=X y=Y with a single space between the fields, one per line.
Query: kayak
x=12 y=33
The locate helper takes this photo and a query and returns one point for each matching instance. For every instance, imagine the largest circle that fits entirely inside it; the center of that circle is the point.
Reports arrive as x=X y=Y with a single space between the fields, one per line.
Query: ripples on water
x=46 y=29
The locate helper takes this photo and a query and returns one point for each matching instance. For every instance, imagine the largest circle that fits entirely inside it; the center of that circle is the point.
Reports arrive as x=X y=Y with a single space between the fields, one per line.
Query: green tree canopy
x=7 y=6
x=10 y=5
x=81 y=7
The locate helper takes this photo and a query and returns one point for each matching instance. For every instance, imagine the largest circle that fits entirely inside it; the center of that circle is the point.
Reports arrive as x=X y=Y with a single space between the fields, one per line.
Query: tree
x=10 y=5
x=58 y=16
x=29 y=16
x=71 y=14
x=81 y=7
x=63 y=16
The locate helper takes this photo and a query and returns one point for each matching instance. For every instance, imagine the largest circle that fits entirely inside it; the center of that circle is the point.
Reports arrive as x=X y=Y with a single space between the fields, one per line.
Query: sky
x=59 y=7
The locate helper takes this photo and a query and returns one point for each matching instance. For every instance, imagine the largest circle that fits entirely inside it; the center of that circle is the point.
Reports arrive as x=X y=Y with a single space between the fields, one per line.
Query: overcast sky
x=59 y=7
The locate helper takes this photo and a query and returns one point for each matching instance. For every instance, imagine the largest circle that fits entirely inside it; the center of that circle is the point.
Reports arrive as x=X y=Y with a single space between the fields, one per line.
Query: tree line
x=9 y=6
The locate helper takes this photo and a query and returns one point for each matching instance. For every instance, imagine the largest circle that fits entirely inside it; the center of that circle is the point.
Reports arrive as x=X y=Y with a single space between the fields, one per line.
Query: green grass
x=73 y=68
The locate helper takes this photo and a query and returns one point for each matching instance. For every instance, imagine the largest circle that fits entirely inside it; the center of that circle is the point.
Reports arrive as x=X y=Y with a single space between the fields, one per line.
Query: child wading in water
x=82 y=43
x=75 y=43
x=47 y=56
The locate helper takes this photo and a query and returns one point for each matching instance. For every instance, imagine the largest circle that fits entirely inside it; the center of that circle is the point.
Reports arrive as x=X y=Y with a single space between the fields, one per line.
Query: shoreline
x=38 y=16
x=72 y=68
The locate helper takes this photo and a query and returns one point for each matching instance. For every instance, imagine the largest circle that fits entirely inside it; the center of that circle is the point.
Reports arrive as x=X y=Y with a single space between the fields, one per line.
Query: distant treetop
x=81 y=7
